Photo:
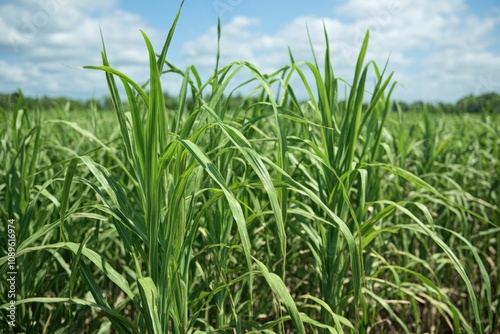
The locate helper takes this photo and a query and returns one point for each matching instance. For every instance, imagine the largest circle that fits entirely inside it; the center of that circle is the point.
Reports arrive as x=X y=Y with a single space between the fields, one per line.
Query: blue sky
x=439 y=51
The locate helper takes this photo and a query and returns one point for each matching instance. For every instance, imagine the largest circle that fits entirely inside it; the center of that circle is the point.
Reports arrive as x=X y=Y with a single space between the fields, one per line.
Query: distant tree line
x=8 y=102
x=489 y=102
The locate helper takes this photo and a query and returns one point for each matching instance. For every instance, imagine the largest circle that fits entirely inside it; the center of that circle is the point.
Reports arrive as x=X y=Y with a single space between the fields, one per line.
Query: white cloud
x=438 y=50
x=53 y=37
x=14 y=75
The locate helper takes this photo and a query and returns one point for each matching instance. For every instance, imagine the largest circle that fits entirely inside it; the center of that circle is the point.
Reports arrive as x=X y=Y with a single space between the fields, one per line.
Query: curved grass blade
x=279 y=288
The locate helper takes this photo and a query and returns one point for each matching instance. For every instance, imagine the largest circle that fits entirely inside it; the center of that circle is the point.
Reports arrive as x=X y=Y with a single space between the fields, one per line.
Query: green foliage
x=216 y=212
x=488 y=102
x=485 y=103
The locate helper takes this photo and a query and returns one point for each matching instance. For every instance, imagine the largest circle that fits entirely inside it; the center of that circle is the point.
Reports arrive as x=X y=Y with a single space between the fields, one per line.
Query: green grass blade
x=279 y=288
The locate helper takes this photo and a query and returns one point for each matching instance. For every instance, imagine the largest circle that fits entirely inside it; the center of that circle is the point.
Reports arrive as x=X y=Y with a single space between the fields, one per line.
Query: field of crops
x=334 y=215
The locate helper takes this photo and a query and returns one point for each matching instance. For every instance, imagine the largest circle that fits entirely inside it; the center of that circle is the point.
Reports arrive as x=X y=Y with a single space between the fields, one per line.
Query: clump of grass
x=277 y=215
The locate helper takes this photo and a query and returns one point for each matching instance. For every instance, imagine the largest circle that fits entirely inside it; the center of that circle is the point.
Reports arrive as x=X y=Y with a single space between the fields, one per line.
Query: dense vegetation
x=272 y=215
x=488 y=102
x=485 y=103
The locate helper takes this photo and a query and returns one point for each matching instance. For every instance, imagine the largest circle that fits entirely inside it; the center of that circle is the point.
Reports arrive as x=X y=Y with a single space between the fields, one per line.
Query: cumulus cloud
x=439 y=51
x=45 y=41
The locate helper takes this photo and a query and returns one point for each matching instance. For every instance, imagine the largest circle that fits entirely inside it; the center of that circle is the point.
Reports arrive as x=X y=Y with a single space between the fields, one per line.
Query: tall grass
x=275 y=216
